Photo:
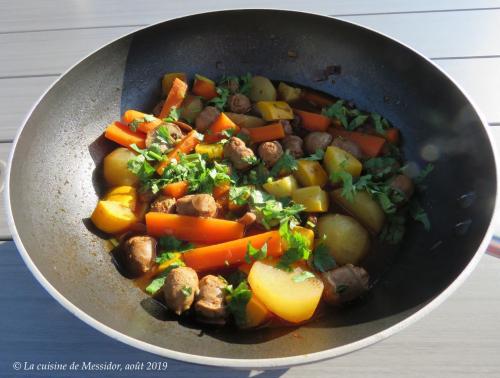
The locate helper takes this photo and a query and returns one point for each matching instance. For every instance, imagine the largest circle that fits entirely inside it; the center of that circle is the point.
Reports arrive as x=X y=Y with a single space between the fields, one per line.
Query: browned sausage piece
x=344 y=284
x=173 y=130
x=239 y=103
x=293 y=144
x=180 y=289
x=206 y=117
x=197 y=205
x=164 y=204
x=317 y=140
x=210 y=304
x=139 y=253
x=232 y=85
x=270 y=152
x=404 y=184
x=239 y=154
x=348 y=146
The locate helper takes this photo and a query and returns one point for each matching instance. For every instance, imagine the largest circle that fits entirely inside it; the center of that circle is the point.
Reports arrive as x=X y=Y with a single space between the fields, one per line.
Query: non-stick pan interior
x=54 y=180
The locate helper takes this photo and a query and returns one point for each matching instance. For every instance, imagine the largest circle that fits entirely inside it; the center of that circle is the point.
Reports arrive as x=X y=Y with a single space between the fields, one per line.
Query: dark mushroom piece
x=317 y=140
x=210 y=305
x=139 y=253
x=239 y=103
x=180 y=288
x=344 y=284
x=404 y=185
x=270 y=152
x=247 y=219
x=293 y=144
x=197 y=205
x=174 y=133
x=206 y=117
x=348 y=146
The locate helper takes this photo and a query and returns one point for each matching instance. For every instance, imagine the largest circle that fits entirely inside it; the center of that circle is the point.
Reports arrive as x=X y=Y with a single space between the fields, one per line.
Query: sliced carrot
x=185 y=146
x=133 y=115
x=316 y=99
x=232 y=252
x=392 y=135
x=221 y=123
x=266 y=133
x=204 y=87
x=121 y=134
x=370 y=145
x=313 y=121
x=221 y=190
x=175 y=97
x=203 y=230
x=176 y=189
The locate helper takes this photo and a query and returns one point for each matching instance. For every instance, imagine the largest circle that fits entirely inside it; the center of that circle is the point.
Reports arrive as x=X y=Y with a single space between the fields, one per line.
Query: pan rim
x=240 y=363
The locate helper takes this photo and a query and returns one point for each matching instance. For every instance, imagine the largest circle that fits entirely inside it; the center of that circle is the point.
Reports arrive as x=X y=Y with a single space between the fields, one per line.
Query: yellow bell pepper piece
x=168 y=80
x=310 y=173
x=288 y=93
x=124 y=195
x=213 y=151
x=274 y=110
x=312 y=198
x=283 y=187
x=112 y=217
x=338 y=160
x=256 y=313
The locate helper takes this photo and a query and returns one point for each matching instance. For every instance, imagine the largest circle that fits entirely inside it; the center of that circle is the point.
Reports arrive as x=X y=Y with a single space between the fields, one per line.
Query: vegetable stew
x=251 y=202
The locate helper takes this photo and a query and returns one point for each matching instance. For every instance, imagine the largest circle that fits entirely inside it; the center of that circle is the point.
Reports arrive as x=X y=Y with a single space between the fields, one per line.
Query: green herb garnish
x=301 y=277
x=322 y=258
x=237 y=302
x=254 y=254
x=187 y=291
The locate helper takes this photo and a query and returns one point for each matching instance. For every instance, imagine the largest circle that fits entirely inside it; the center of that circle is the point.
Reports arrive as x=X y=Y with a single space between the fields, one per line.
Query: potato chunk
x=312 y=198
x=283 y=293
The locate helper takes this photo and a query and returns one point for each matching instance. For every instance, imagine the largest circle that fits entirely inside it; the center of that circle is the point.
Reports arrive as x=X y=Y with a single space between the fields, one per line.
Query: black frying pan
x=53 y=179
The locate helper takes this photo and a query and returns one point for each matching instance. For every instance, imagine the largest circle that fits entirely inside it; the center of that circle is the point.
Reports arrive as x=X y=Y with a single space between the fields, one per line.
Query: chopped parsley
x=270 y=211
x=254 y=254
x=337 y=111
x=319 y=154
x=169 y=245
x=134 y=125
x=237 y=302
x=173 y=115
x=356 y=122
x=297 y=247
x=380 y=124
x=220 y=101
x=285 y=164
x=239 y=194
x=187 y=291
x=322 y=258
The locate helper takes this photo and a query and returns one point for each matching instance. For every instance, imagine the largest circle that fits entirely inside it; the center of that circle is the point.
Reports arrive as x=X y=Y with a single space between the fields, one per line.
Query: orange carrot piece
x=232 y=252
x=196 y=229
x=176 y=189
x=185 y=146
x=221 y=123
x=221 y=190
x=370 y=145
x=133 y=115
x=392 y=135
x=266 y=133
x=175 y=97
x=313 y=121
x=316 y=99
x=121 y=134
x=204 y=87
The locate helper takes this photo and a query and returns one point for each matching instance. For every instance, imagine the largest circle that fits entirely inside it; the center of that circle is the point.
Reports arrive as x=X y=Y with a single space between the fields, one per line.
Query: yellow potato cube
x=274 y=110
x=112 y=217
x=125 y=195
x=213 y=151
x=310 y=173
x=338 y=160
x=256 y=313
x=313 y=198
x=282 y=187
x=364 y=208
x=288 y=93
x=283 y=294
